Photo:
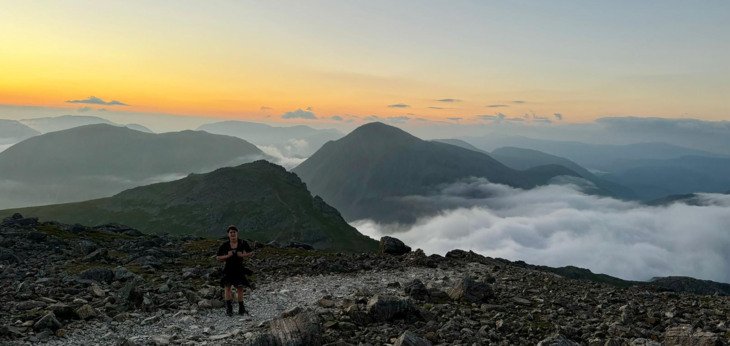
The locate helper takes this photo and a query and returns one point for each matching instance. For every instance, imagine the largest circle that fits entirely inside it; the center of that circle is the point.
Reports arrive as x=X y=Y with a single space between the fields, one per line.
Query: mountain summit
x=367 y=172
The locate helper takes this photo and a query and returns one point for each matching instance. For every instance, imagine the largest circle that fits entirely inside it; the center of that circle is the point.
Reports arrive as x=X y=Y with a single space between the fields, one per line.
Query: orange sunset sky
x=430 y=59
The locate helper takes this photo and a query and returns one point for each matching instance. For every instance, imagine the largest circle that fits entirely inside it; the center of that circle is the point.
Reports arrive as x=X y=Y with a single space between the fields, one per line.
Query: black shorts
x=237 y=280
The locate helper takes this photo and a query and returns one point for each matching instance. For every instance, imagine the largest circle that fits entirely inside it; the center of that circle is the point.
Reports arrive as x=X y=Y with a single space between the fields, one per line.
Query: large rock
x=131 y=294
x=685 y=335
x=410 y=339
x=86 y=312
x=63 y=311
x=471 y=290
x=121 y=273
x=49 y=321
x=96 y=255
x=304 y=328
x=393 y=246
x=98 y=274
x=557 y=340
x=416 y=290
x=386 y=308
x=260 y=339
x=17 y=220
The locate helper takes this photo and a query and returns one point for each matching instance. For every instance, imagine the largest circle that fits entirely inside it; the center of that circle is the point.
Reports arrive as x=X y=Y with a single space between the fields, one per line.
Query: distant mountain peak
x=377 y=132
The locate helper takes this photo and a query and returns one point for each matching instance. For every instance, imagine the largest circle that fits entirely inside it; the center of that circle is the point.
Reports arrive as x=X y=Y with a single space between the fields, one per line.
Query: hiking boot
x=229 y=308
x=242 y=309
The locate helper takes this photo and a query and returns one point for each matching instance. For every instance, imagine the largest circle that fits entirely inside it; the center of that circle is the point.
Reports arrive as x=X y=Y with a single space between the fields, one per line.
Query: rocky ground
x=111 y=285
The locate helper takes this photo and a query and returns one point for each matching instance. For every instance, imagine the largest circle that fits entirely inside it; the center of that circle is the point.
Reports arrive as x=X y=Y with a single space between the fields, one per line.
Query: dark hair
x=232 y=227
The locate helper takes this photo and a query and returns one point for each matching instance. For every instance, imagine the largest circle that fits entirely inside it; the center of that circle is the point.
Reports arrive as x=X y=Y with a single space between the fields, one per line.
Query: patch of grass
x=75 y=267
x=56 y=232
x=201 y=246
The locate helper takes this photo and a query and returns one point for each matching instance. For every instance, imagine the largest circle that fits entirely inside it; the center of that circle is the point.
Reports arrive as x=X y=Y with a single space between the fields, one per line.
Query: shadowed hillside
x=366 y=172
x=100 y=160
x=264 y=200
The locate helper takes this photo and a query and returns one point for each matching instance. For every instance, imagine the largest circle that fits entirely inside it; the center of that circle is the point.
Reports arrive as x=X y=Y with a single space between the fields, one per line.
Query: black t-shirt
x=234 y=264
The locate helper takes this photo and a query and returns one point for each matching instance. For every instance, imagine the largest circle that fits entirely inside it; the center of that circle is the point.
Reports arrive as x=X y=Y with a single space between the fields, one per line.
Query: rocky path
x=266 y=302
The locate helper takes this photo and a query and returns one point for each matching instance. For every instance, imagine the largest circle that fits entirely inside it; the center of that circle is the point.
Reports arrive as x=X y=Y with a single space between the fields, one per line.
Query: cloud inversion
x=558 y=225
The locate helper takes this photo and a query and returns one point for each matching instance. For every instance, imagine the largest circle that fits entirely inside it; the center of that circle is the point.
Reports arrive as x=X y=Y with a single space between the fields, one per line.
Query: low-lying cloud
x=98 y=101
x=280 y=158
x=558 y=225
x=299 y=114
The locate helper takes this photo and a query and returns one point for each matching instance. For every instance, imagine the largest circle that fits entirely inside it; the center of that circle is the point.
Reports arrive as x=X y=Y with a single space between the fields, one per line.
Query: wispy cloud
x=336 y=118
x=519 y=102
x=399 y=105
x=264 y=108
x=84 y=109
x=299 y=114
x=497 y=106
x=496 y=117
x=448 y=100
x=455 y=118
x=432 y=107
x=399 y=119
x=98 y=101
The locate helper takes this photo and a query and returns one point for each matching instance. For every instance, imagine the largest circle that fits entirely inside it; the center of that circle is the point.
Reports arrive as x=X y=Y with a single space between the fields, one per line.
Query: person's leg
x=239 y=295
x=228 y=293
x=228 y=297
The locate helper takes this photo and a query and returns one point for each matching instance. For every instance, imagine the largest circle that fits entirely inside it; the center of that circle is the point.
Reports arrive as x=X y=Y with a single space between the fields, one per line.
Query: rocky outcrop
x=393 y=246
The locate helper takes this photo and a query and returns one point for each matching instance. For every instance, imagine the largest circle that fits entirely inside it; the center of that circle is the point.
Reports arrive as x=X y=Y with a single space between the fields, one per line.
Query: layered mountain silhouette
x=520 y=158
x=266 y=202
x=100 y=160
x=602 y=157
x=460 y=143
x=653 y=179
x=65 y=122
x=12 y=131
x=367 y=173
x=295 y=141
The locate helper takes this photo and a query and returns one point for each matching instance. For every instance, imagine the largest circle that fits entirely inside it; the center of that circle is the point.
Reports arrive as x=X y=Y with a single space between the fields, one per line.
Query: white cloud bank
x=283 y=160
x=557 y=225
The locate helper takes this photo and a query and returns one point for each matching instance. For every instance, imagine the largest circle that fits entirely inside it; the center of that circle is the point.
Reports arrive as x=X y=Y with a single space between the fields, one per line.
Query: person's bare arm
x=225 y=257
x=243 y=254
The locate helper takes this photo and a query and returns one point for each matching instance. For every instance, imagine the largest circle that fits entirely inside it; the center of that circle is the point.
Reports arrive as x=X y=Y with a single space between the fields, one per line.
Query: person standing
x=232 y=253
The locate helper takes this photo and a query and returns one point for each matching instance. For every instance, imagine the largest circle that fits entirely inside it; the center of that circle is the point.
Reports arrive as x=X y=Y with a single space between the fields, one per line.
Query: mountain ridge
x=99 y=160
x=264 y=200
x=364 y=173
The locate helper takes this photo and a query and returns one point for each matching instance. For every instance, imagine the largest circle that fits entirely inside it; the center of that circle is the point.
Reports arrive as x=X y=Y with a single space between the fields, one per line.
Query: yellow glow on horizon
x=184 y=63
